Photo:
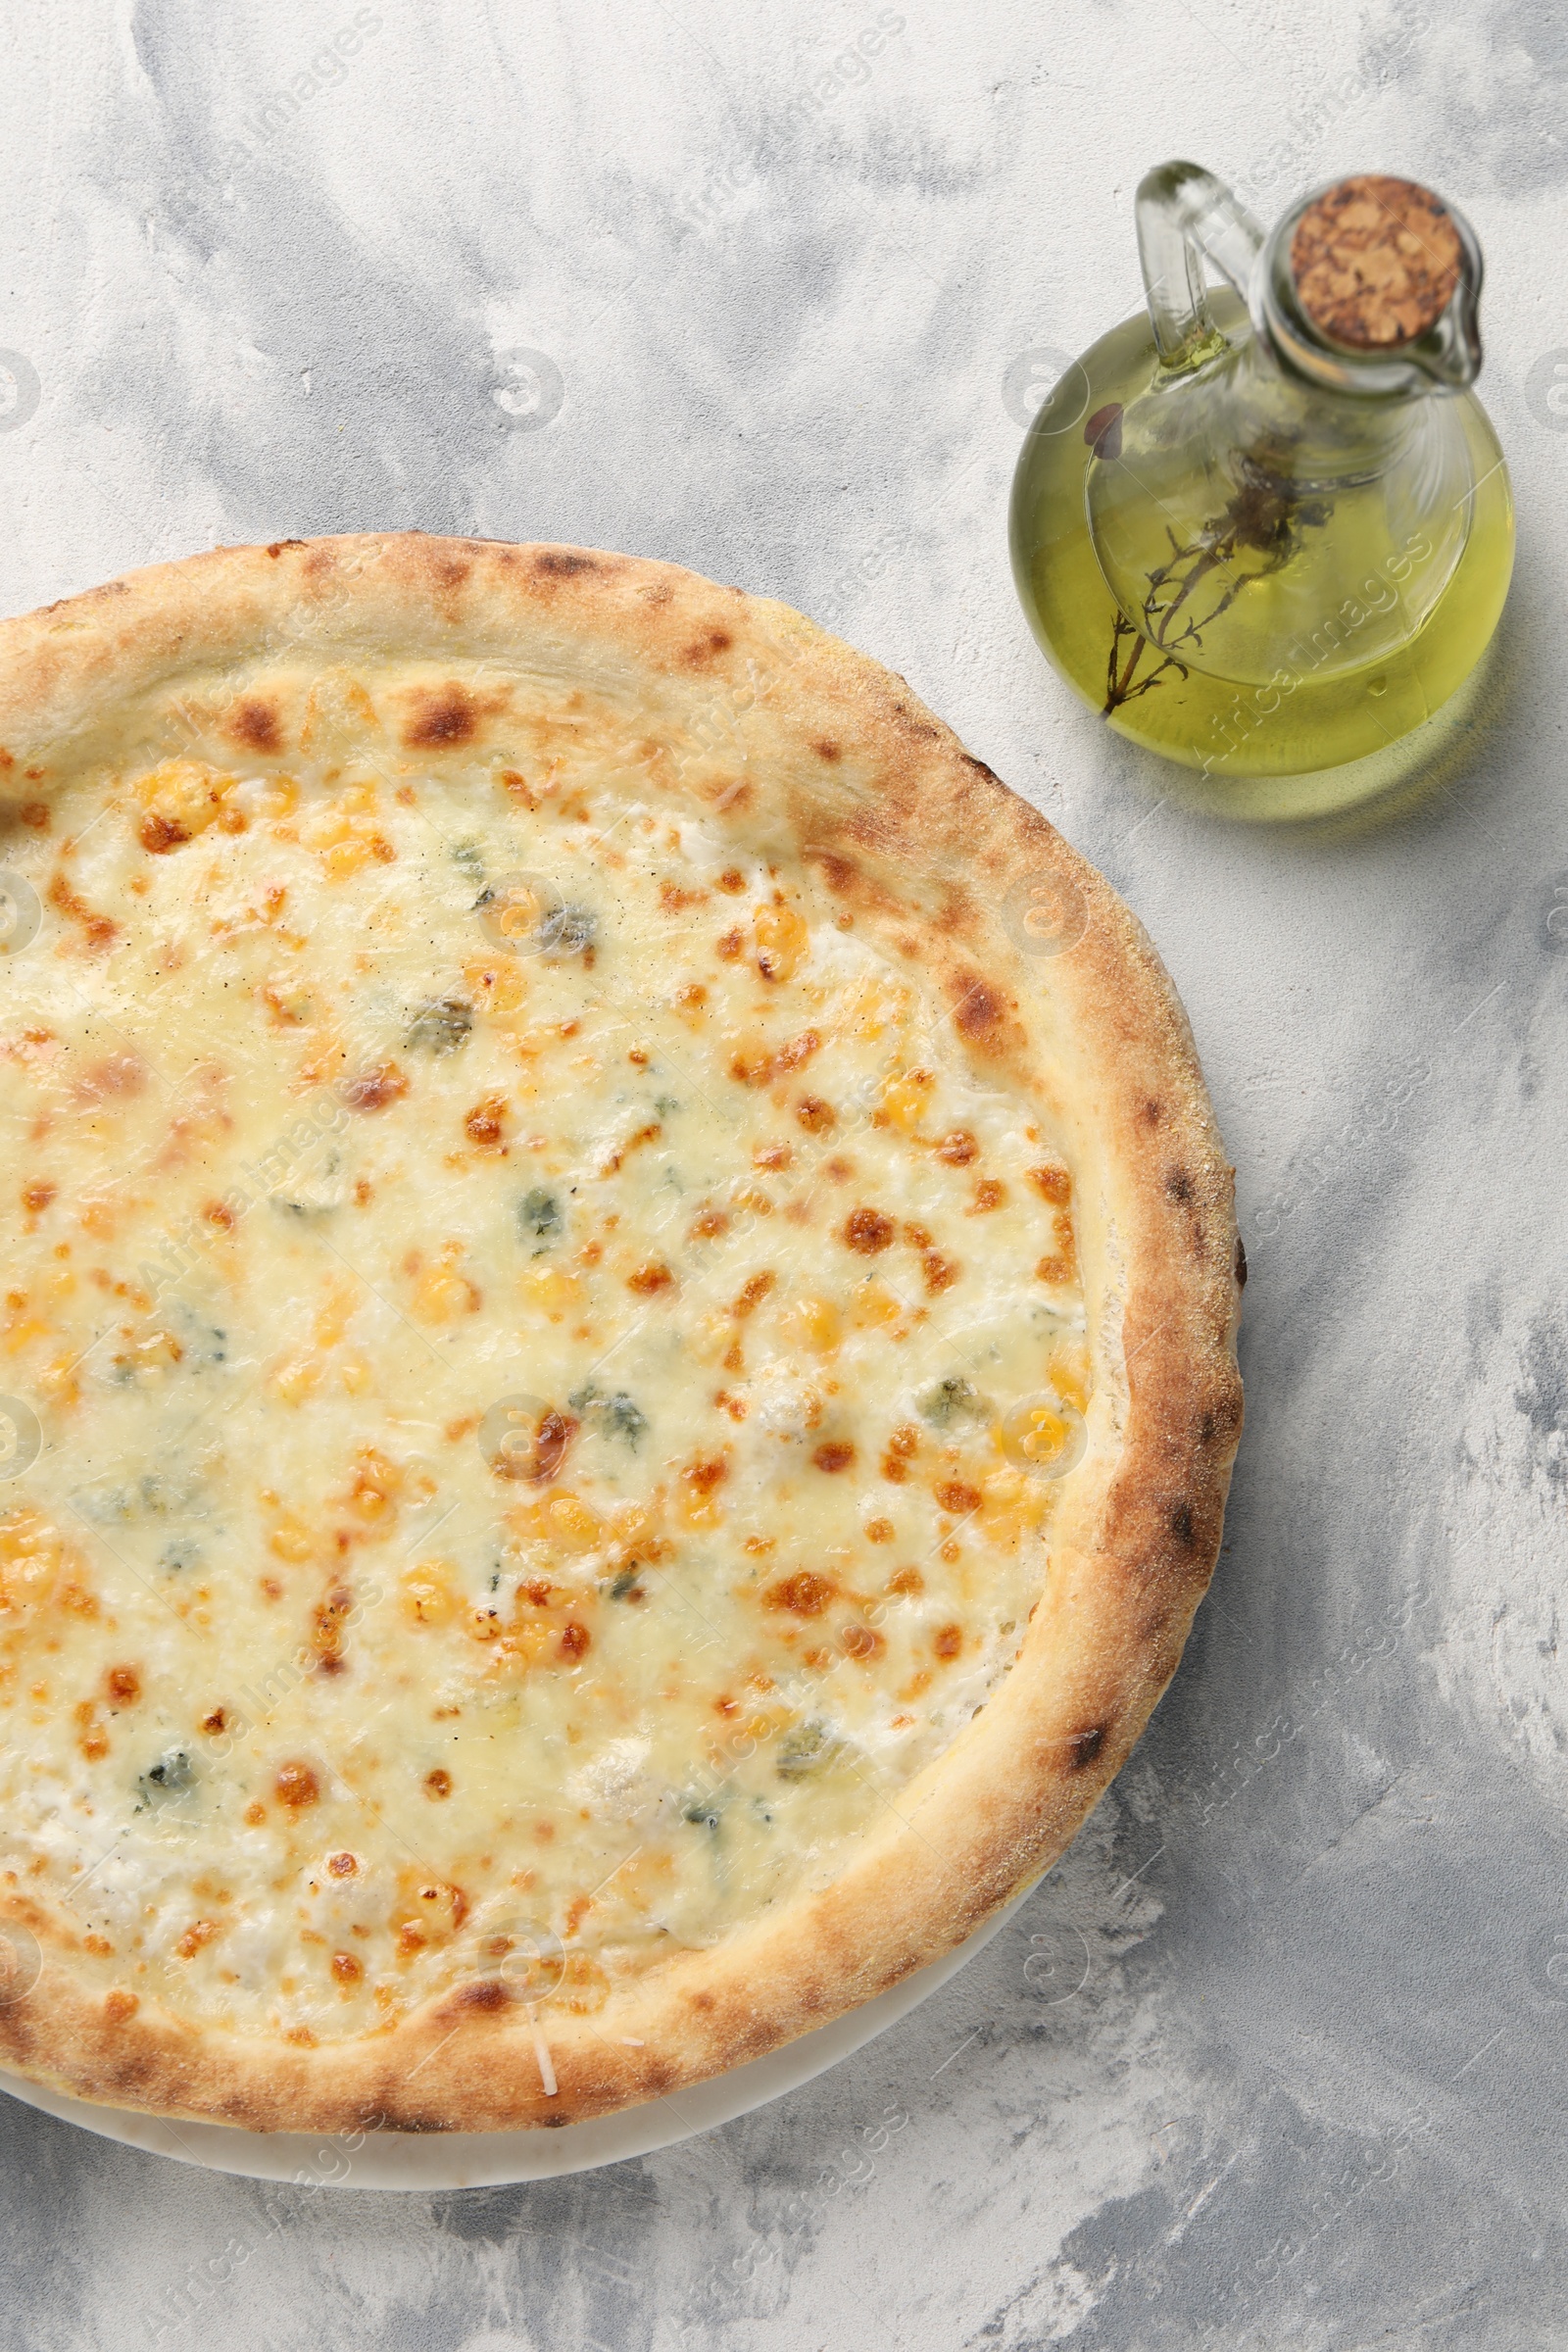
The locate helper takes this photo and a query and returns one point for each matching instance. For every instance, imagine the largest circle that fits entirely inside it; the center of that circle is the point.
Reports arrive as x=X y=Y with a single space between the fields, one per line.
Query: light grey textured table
x=724 y=285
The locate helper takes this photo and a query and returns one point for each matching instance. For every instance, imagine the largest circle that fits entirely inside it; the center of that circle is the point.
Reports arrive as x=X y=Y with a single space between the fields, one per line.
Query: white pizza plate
x=426 y=2161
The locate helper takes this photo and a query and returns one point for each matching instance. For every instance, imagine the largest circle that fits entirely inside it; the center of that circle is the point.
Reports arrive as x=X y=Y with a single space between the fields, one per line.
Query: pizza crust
x=945 y=867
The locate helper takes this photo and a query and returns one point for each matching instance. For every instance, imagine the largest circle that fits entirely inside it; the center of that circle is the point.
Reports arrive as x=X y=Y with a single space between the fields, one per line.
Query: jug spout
x=1452 y=353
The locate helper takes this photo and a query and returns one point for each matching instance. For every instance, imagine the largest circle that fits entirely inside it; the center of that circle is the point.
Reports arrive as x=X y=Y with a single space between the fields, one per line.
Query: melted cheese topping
x=547 y=1370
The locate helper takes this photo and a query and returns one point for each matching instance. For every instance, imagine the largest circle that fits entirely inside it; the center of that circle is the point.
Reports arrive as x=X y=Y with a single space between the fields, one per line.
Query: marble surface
x=1277 y=2056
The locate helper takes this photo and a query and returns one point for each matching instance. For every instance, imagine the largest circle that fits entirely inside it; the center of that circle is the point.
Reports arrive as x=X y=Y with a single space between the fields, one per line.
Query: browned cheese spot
x=803 y=1595
x=161 y=834
x=91 y=1738
x=868 y=1231
x=485 y=1122
x=634 y=1142
x=100 y=931
x=374 y=1088
x=328 y=1619
x=979 y=1009
x=650 y=1279
x=556 y=1432
x=443 y=715
x=761 y=1068
x=255 y=723
x=296 y=1785
x=957 y=1496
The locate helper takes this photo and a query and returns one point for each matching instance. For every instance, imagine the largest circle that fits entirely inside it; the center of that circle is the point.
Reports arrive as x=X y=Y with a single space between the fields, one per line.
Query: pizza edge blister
x=926 y=846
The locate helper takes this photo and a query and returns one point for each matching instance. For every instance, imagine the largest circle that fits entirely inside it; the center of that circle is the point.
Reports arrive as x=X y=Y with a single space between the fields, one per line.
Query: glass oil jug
x=1268 y=532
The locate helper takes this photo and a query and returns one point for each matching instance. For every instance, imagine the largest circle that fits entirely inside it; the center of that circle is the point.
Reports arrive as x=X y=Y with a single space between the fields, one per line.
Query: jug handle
x=1185 y=217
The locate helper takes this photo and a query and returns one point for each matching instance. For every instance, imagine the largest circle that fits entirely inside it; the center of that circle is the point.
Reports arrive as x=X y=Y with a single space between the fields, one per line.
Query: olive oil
x=1260 y=577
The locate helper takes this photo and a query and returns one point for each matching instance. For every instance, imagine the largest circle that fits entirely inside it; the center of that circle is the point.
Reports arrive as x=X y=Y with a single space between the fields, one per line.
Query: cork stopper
x=1375 y=262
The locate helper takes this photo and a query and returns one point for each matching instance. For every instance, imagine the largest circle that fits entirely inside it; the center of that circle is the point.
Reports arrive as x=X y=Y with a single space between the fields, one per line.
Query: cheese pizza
x=618 y=1336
